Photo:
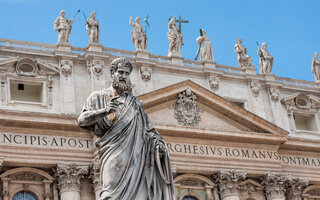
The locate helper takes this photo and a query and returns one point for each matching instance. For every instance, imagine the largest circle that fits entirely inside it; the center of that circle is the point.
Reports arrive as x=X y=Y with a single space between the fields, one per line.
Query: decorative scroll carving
x=145 y=73
x=250 y=189
x=214 y=82
x=27 y=67
x=275 y=94
x=69 y=176
x=95 y=67
x=255 y=88
x=296 y=187
x=275 y=185
x=228 y=182
x=186 y=110
x=66 y=67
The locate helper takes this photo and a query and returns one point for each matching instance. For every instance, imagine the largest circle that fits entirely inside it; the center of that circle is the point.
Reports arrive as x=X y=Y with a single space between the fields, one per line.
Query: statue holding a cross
x=175 y=38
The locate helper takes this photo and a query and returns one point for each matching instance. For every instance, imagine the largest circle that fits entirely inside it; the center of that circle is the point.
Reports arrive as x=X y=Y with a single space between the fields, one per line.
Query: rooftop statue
x=175 y=39
x=315 y=67
x=63 y=26
x=243 y=59
x=206 y=51
x=134 y=158
x=265 y=59
x=92 y=26
x=139 y=37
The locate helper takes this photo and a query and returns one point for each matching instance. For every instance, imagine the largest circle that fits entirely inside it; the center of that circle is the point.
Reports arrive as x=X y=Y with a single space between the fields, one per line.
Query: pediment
x=36 y=66
x=216 y=113
x=302 y=101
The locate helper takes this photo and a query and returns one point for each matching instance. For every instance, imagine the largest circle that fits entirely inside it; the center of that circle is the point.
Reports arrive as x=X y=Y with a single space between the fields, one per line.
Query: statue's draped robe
x=128 y=152
x=175 y=39
x=265 y=61
x=206 y=51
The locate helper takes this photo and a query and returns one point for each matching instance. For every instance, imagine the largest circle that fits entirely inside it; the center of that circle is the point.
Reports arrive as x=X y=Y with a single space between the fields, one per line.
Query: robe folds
x=131 y=166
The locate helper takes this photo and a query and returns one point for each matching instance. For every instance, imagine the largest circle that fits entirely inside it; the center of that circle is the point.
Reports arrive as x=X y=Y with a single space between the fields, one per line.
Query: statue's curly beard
x=121 y=84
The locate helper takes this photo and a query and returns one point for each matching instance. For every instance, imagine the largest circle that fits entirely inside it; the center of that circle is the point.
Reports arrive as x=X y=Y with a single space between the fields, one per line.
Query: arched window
x=190 y=198
x=24 y=196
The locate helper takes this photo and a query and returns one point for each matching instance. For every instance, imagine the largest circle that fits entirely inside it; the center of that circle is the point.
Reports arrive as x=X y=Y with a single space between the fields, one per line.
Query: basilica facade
x=232 y=134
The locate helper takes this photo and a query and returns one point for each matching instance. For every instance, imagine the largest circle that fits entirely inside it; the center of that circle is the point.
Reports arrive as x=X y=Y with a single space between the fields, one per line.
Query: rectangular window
x=25 y=91
x=305 y=122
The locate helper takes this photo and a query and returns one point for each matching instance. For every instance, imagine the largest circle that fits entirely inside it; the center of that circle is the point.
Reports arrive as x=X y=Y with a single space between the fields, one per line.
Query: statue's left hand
x=161 y=147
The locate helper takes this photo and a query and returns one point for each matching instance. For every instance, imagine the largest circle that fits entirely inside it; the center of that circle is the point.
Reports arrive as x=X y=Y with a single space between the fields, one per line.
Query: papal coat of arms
x=186 y=110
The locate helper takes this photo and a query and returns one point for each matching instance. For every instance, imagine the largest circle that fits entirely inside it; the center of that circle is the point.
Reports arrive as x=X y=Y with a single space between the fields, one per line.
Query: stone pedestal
x=228 y=183
x=176 y=60
x=69 y=177
x=208 y=64
x=66 y=47
x=270 y=77
x=95 y=47
x=142 y=54
x=249 y=70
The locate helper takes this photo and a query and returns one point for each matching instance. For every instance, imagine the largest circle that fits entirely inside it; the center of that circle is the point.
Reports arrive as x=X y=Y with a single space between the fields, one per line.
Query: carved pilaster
x=228 y=183
x=209 y=194
x=50 y=85
x=295 y=188
x=69 y=176
x=275 y=185
x=3 y=87
x=1 y=164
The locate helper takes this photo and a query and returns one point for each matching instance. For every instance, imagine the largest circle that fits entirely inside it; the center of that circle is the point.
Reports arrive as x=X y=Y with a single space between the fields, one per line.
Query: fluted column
x=69 y=177
x=295 y=188
x=228 y=183
x=275 y=185
x=95 y=177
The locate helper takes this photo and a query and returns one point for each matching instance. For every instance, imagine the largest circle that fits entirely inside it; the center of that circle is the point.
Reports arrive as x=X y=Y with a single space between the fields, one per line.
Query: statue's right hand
x=112 y=107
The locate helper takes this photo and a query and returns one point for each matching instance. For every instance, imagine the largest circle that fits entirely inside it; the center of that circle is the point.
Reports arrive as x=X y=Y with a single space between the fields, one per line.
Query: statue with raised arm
x=315 y=67
x=175 y=38
x=63 y=26
x=265 y=59
x=139 y=37
x=92 y=26
x=206 y=51
x=243 y=59
x=134 y=158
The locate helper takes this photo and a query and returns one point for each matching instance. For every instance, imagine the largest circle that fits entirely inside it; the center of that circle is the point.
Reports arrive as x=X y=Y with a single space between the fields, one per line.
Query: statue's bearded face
x=121 y=79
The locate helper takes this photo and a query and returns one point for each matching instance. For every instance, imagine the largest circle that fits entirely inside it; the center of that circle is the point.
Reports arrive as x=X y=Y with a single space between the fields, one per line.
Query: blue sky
x=291 y=28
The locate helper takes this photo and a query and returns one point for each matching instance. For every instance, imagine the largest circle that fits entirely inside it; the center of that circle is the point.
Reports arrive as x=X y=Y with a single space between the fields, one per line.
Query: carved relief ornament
x=275 y=94
x=26 y=67
x=186 y=110
x=255 y=88
x=95 y=67
x=214 y=82
x=66 y=67
x=145 y=73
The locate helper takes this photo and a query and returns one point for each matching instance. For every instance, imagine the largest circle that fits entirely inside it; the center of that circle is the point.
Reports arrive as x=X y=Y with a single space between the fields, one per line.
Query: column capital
x=275 y=185
x=228 y=182
x=69 y=176
x=295 y=188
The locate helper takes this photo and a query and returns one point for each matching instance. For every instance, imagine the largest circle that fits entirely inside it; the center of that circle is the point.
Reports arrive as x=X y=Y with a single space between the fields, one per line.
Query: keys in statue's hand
x=113 y=105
